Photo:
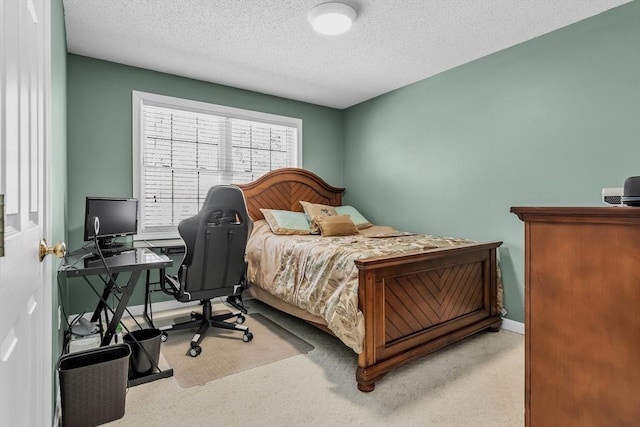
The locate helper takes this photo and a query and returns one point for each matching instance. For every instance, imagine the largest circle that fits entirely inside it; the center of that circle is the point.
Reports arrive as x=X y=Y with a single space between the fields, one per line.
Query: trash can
x=145 y=351
x=93 y=385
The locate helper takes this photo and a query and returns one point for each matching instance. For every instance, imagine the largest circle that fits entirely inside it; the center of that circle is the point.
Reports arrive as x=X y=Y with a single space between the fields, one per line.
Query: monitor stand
x=109 y=244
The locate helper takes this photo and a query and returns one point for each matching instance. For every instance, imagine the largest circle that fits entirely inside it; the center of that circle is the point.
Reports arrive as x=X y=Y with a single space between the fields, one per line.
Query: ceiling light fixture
x=332 y=18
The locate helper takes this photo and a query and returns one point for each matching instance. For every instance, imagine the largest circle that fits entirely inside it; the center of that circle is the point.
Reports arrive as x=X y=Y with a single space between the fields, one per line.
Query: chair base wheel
x=194 y=351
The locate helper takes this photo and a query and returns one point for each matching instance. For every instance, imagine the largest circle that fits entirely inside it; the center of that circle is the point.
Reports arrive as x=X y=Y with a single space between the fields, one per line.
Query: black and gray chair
x=214 y=263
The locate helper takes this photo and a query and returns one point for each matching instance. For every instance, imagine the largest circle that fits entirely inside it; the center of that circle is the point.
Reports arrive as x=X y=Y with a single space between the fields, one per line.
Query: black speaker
x=631 y=192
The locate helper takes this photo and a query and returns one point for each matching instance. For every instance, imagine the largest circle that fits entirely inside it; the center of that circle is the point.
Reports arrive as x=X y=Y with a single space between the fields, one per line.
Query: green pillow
x=358 y=219
x=287 y=222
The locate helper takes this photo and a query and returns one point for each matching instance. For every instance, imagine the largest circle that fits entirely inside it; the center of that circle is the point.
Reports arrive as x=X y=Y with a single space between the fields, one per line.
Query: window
x=183 y=147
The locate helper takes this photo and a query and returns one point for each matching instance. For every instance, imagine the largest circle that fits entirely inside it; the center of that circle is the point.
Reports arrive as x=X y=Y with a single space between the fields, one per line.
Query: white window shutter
x=186 y=147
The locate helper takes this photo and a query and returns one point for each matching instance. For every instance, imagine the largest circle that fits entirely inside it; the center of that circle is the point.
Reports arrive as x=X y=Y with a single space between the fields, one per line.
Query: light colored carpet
x=224 y=353
x=478 y=382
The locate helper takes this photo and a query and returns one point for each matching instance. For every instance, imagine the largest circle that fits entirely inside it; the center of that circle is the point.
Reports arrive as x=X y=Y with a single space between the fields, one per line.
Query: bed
x=407 y=304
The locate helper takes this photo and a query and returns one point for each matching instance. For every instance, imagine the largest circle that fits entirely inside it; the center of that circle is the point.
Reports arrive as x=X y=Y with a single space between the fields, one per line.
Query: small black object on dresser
x=631 y=193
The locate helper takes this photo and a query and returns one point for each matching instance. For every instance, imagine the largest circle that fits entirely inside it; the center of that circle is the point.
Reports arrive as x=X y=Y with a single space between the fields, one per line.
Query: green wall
x=100 y=136
x=548 y=122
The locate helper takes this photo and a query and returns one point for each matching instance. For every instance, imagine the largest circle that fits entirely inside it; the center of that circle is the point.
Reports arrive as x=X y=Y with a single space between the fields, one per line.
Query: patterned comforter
x=318 y=274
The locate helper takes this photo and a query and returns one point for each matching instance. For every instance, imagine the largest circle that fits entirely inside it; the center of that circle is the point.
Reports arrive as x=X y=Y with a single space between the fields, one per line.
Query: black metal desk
x=83 y=263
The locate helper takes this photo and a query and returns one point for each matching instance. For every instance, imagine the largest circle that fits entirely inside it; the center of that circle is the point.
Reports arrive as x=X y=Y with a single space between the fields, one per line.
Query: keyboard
x=115 y=250
x=112 y=259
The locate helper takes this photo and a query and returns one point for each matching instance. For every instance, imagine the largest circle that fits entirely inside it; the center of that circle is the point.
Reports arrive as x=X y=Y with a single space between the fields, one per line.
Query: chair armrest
x=171 y=285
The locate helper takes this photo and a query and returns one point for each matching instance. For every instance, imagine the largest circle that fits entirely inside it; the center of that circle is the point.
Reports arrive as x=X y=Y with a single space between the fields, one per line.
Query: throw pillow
x=315 y=211
x=336 y=225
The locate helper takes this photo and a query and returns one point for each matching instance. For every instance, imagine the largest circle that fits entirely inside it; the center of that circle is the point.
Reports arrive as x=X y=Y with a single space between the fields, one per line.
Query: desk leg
x=124 y=300
x=103 y=299
x=147 y=299
x=151 y=377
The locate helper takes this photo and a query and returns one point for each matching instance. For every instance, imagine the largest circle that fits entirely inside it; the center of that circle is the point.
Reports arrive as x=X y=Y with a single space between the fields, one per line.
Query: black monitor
x=112 y=217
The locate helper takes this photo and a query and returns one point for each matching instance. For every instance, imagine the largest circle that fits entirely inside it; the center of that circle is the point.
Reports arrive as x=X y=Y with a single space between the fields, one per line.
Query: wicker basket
x=93 y=385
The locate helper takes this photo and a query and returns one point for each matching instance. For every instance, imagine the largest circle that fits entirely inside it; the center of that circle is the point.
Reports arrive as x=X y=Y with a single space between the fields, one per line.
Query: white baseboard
x=137 y=310
x=513 y=326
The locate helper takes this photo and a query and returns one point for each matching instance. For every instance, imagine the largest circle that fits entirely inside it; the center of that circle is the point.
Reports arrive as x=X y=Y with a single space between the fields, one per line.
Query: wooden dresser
x=582 y=316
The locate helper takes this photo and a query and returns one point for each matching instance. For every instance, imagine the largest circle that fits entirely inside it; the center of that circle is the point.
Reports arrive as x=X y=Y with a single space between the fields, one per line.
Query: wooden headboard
x=284 y=188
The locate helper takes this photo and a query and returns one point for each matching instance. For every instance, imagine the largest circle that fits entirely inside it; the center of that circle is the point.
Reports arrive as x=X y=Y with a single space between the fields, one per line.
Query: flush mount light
x=332 y=18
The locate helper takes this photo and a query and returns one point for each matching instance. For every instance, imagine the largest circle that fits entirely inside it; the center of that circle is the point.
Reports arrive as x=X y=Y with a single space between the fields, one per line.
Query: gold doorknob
x=59 y=249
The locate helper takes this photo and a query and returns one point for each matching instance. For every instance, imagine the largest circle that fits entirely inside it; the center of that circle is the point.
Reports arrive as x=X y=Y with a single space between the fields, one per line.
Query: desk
x=83 y=263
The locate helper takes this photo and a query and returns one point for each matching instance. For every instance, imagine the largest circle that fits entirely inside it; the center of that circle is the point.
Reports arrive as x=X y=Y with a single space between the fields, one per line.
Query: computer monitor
x=112 y=217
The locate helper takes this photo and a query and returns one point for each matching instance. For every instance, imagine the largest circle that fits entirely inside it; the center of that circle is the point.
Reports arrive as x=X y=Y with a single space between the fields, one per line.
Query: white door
x=25 y=282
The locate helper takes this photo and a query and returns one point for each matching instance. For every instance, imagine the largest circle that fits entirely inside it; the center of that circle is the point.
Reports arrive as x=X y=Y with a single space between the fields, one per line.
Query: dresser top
x=622 y=214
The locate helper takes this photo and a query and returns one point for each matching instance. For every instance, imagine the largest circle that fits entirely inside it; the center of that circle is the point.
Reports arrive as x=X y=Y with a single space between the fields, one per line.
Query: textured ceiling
x=268 y=46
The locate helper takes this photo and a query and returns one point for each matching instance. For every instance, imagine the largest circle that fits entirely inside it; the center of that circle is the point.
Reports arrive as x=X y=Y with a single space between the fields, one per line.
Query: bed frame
x=413 y=304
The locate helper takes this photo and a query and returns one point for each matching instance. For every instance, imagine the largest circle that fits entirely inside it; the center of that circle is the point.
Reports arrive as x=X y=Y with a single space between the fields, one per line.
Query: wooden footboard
x=416 y=304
